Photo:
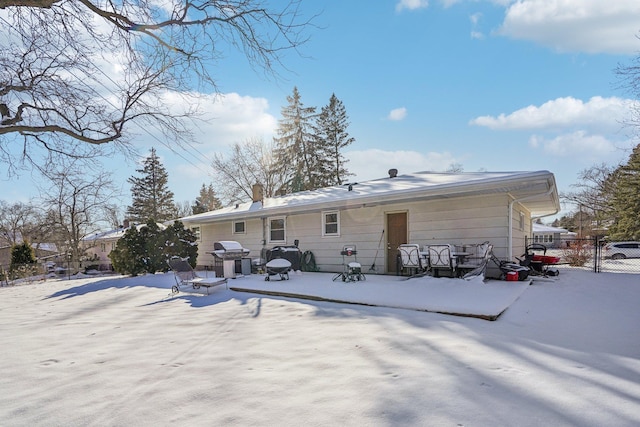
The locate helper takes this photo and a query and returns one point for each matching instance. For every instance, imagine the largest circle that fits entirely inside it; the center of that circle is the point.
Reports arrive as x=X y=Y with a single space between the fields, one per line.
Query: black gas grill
x=227 y=254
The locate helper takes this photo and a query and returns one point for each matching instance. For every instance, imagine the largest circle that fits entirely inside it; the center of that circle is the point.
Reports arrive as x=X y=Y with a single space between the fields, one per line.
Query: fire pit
x=227 y=252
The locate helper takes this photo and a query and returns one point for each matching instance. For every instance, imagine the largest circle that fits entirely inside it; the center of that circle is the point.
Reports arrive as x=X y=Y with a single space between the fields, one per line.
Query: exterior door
x=396 y=236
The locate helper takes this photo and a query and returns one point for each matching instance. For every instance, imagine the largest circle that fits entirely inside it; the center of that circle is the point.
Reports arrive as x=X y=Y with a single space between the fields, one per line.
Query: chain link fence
x=596 y=254
x=618 y=256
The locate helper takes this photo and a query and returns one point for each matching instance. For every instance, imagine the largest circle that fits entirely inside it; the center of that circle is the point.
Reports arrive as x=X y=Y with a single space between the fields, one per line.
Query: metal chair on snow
x=440 y=258
x=411 y=258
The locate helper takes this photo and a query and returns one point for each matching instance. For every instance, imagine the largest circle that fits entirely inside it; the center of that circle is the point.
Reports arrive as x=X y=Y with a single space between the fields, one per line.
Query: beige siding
x=454 y=220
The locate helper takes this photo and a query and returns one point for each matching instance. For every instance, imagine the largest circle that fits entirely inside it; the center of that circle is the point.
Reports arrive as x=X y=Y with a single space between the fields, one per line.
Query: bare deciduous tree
x=79 y=198
x=18 y=221
x=76 y=74
x=250 y=162
x=592 y=196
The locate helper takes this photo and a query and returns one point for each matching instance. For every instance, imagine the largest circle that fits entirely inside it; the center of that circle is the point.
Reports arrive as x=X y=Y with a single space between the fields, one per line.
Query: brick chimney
x=258 y=192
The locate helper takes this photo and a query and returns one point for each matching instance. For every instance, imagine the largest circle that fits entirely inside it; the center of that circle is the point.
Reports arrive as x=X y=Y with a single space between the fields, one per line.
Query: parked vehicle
x=622 y=250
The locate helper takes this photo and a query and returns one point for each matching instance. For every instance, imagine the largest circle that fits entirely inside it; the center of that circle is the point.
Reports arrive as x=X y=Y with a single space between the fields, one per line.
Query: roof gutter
x=416 y=194
x=523 y=199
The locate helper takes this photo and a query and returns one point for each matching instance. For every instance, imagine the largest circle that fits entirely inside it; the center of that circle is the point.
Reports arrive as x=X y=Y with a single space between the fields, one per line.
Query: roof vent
x=393 y=173
x=350 y=185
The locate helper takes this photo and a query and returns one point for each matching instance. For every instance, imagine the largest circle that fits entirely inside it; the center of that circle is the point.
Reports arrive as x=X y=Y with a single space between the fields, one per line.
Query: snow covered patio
x=473 y=298
x=117 y=351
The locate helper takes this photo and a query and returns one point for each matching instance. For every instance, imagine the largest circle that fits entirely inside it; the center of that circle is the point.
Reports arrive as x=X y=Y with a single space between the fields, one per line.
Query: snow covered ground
x=119 y=351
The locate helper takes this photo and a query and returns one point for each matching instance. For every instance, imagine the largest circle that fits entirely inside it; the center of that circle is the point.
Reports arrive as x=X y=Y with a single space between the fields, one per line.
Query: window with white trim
x=196 y=232
x=331 y=223
x=239 y=227
x=277 y=229
x=521 y=223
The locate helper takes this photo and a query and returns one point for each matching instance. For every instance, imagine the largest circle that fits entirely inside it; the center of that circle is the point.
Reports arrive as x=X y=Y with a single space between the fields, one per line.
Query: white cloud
x=374 y=163
x=577 y=144
x=223 y=119
x=411 y=5
x=593 y=26
x=397 y=114
x=475 y=20
x=603 y=114
x=237 y=117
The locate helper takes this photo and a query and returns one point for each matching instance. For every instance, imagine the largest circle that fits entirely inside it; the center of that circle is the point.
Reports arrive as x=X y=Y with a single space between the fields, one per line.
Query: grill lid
x=229 y=249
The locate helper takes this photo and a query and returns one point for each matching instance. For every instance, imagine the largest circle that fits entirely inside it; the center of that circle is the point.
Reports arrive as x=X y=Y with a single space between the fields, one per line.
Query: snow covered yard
x=117 y=351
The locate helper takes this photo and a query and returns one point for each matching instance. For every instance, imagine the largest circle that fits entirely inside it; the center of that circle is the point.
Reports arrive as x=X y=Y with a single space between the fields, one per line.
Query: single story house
x=377 y=216
x=98 y=246
x=43 y=252
x=551 y=237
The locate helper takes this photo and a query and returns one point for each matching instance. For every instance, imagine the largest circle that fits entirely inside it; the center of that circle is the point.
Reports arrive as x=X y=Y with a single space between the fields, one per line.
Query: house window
x=196 y=232
x=103 y=247
x=239 y=227
x=277 y=232
x=113 y=245
x=331 y=223
x=521 y=223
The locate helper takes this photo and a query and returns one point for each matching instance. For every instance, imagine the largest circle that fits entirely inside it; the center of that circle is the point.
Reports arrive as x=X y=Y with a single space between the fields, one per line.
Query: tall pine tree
x=625 y=202
x=296 y=153
x=206 y=201
x=151 y=197
x=332 y=137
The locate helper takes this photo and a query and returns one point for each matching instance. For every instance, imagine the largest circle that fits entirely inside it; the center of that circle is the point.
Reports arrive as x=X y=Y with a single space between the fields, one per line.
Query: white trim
x=324 y=223
x=284 y=228
x=244 y=227
x=197 y=233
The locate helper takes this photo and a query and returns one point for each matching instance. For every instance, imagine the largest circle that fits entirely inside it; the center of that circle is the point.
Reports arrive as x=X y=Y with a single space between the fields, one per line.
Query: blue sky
x=490 y=85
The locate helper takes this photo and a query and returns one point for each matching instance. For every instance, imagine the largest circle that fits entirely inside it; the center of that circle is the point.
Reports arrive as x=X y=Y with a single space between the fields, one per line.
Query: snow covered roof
x=541 y=228
x=536 y=190
x=115 y=234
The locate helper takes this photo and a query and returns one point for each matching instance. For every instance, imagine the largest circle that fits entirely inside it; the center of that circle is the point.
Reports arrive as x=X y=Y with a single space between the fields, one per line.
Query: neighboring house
x=43 y=252
x=551 y=237
x=98 y=246
x=377 y=216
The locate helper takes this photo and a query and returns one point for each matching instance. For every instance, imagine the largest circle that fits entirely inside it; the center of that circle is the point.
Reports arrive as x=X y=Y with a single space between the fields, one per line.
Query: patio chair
x=440 y=258
x=412 y=259
x=475 y=264
x=186 y=276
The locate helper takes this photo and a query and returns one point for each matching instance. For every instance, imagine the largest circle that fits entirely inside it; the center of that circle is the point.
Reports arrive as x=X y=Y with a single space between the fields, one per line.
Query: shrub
x=577 y=255
x=149 y=248
x=23 y=261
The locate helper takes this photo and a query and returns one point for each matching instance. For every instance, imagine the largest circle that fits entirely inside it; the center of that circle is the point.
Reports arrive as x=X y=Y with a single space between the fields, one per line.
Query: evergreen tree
x=151 y=197
x=332 y=137
x=625 y=202
x=23 y=260
x=22 y=254
x=206 y=201
x=180 y=242
x=296 y=153
x=147 y=249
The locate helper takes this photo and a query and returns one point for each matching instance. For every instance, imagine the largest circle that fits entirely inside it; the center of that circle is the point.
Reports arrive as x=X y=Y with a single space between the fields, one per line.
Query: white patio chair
x=476 y=264
x=411 y=258
x=440 y=258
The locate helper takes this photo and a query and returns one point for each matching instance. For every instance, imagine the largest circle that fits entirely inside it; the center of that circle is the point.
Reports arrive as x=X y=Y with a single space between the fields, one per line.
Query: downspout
x=263 y=251
x=513 y=202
